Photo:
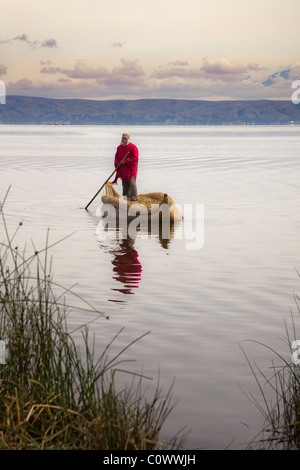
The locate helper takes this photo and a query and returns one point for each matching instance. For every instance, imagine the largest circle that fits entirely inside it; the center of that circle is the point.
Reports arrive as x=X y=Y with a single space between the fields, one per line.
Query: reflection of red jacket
x=127 y=267
x=131 y=162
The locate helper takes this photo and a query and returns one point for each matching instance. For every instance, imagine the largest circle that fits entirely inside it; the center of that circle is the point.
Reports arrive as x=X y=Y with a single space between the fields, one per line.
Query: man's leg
x=125 y=186
x=132 y=192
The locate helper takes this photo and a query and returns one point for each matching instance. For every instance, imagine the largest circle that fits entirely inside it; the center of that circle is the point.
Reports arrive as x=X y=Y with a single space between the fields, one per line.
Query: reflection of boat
x=120 y=229
x=153 y=206
x=127 y=267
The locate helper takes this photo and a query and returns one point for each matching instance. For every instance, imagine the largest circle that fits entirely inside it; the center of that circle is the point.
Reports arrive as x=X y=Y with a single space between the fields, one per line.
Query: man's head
x=125 y=138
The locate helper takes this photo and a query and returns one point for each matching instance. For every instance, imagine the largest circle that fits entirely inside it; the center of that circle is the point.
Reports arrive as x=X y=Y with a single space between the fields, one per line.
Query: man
x=127 y=171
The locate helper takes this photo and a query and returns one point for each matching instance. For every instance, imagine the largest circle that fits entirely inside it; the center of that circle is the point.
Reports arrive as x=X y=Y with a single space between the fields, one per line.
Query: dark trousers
x=130 y=189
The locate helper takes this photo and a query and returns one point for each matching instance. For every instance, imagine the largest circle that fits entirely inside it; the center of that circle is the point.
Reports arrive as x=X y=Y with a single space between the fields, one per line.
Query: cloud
x=287 y=74
x=23 y=84
x=129 y=73
x=216 y=70
x=64 y=80
x=3 y=69
x=49 y=43
x=118 y=44
x=212 y=79
x=222 y=67
x=24 y=38
x=227 y=90
x=137 y=86
x=69 y=88
x=164 y=72
x=237 y=80
x=79 y=70
x=45 y=62
x=255 y=67
x=181 y=63
x=61 y=88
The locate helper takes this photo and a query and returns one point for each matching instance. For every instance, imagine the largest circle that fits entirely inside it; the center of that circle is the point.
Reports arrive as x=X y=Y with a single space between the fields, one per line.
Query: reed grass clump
x=54 y=393
x=281 y=413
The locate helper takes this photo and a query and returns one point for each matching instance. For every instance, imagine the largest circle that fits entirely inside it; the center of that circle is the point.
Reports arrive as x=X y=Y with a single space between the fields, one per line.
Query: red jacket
x=131 y=162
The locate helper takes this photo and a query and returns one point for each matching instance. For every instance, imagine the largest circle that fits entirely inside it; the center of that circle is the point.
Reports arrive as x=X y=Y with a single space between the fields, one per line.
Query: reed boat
x=148 y=204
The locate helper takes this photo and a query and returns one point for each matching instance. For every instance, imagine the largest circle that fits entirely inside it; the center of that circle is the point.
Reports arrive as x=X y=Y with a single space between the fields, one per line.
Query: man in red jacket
x=127 y=171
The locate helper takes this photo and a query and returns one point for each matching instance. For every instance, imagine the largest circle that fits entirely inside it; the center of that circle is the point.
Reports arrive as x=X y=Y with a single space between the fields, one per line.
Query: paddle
x=106 y=181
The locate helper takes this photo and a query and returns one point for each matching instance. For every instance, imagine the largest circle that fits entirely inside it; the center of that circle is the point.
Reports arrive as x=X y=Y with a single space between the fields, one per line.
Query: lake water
x=198 y=305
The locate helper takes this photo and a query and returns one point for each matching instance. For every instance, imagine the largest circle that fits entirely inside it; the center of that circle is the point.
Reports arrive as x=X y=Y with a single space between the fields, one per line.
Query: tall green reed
x=54 y=393
x=281 y=430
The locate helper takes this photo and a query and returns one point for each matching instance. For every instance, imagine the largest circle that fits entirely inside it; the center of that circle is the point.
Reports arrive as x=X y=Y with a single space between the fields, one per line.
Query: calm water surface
x=198 y=305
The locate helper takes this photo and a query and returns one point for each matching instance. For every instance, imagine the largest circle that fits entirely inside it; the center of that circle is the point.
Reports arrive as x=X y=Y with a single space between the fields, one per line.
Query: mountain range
x=34 y=110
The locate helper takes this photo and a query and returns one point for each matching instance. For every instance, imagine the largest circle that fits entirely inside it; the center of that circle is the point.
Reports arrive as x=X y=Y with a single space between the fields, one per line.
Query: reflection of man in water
x=128 y=170
x=127 y=266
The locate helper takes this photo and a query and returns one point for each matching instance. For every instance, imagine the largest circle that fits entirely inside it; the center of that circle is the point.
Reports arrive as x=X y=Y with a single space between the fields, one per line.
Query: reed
x=55 y=394
x=281 y=430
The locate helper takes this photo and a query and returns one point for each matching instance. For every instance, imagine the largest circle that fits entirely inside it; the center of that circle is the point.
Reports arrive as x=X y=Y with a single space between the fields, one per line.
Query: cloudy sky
x=186 y=49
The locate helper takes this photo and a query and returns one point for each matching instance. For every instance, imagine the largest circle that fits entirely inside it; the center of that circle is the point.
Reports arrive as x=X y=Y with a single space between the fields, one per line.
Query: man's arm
x=133 y=158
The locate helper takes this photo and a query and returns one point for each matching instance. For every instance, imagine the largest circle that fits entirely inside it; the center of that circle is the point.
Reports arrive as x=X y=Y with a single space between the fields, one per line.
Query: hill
x=33 y=110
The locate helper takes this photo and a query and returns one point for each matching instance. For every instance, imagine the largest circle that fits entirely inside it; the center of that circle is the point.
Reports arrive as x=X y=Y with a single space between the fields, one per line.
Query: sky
x=135 y=49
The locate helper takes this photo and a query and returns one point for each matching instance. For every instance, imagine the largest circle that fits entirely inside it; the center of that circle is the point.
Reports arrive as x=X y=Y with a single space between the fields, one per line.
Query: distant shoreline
x=153 y=125
x=25 y=110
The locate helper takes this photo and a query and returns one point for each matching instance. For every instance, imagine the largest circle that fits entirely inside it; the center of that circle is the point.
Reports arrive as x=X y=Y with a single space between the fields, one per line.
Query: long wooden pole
x=107 y=180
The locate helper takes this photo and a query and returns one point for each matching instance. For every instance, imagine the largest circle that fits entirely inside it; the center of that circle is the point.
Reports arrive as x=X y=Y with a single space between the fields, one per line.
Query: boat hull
x=153 y=206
